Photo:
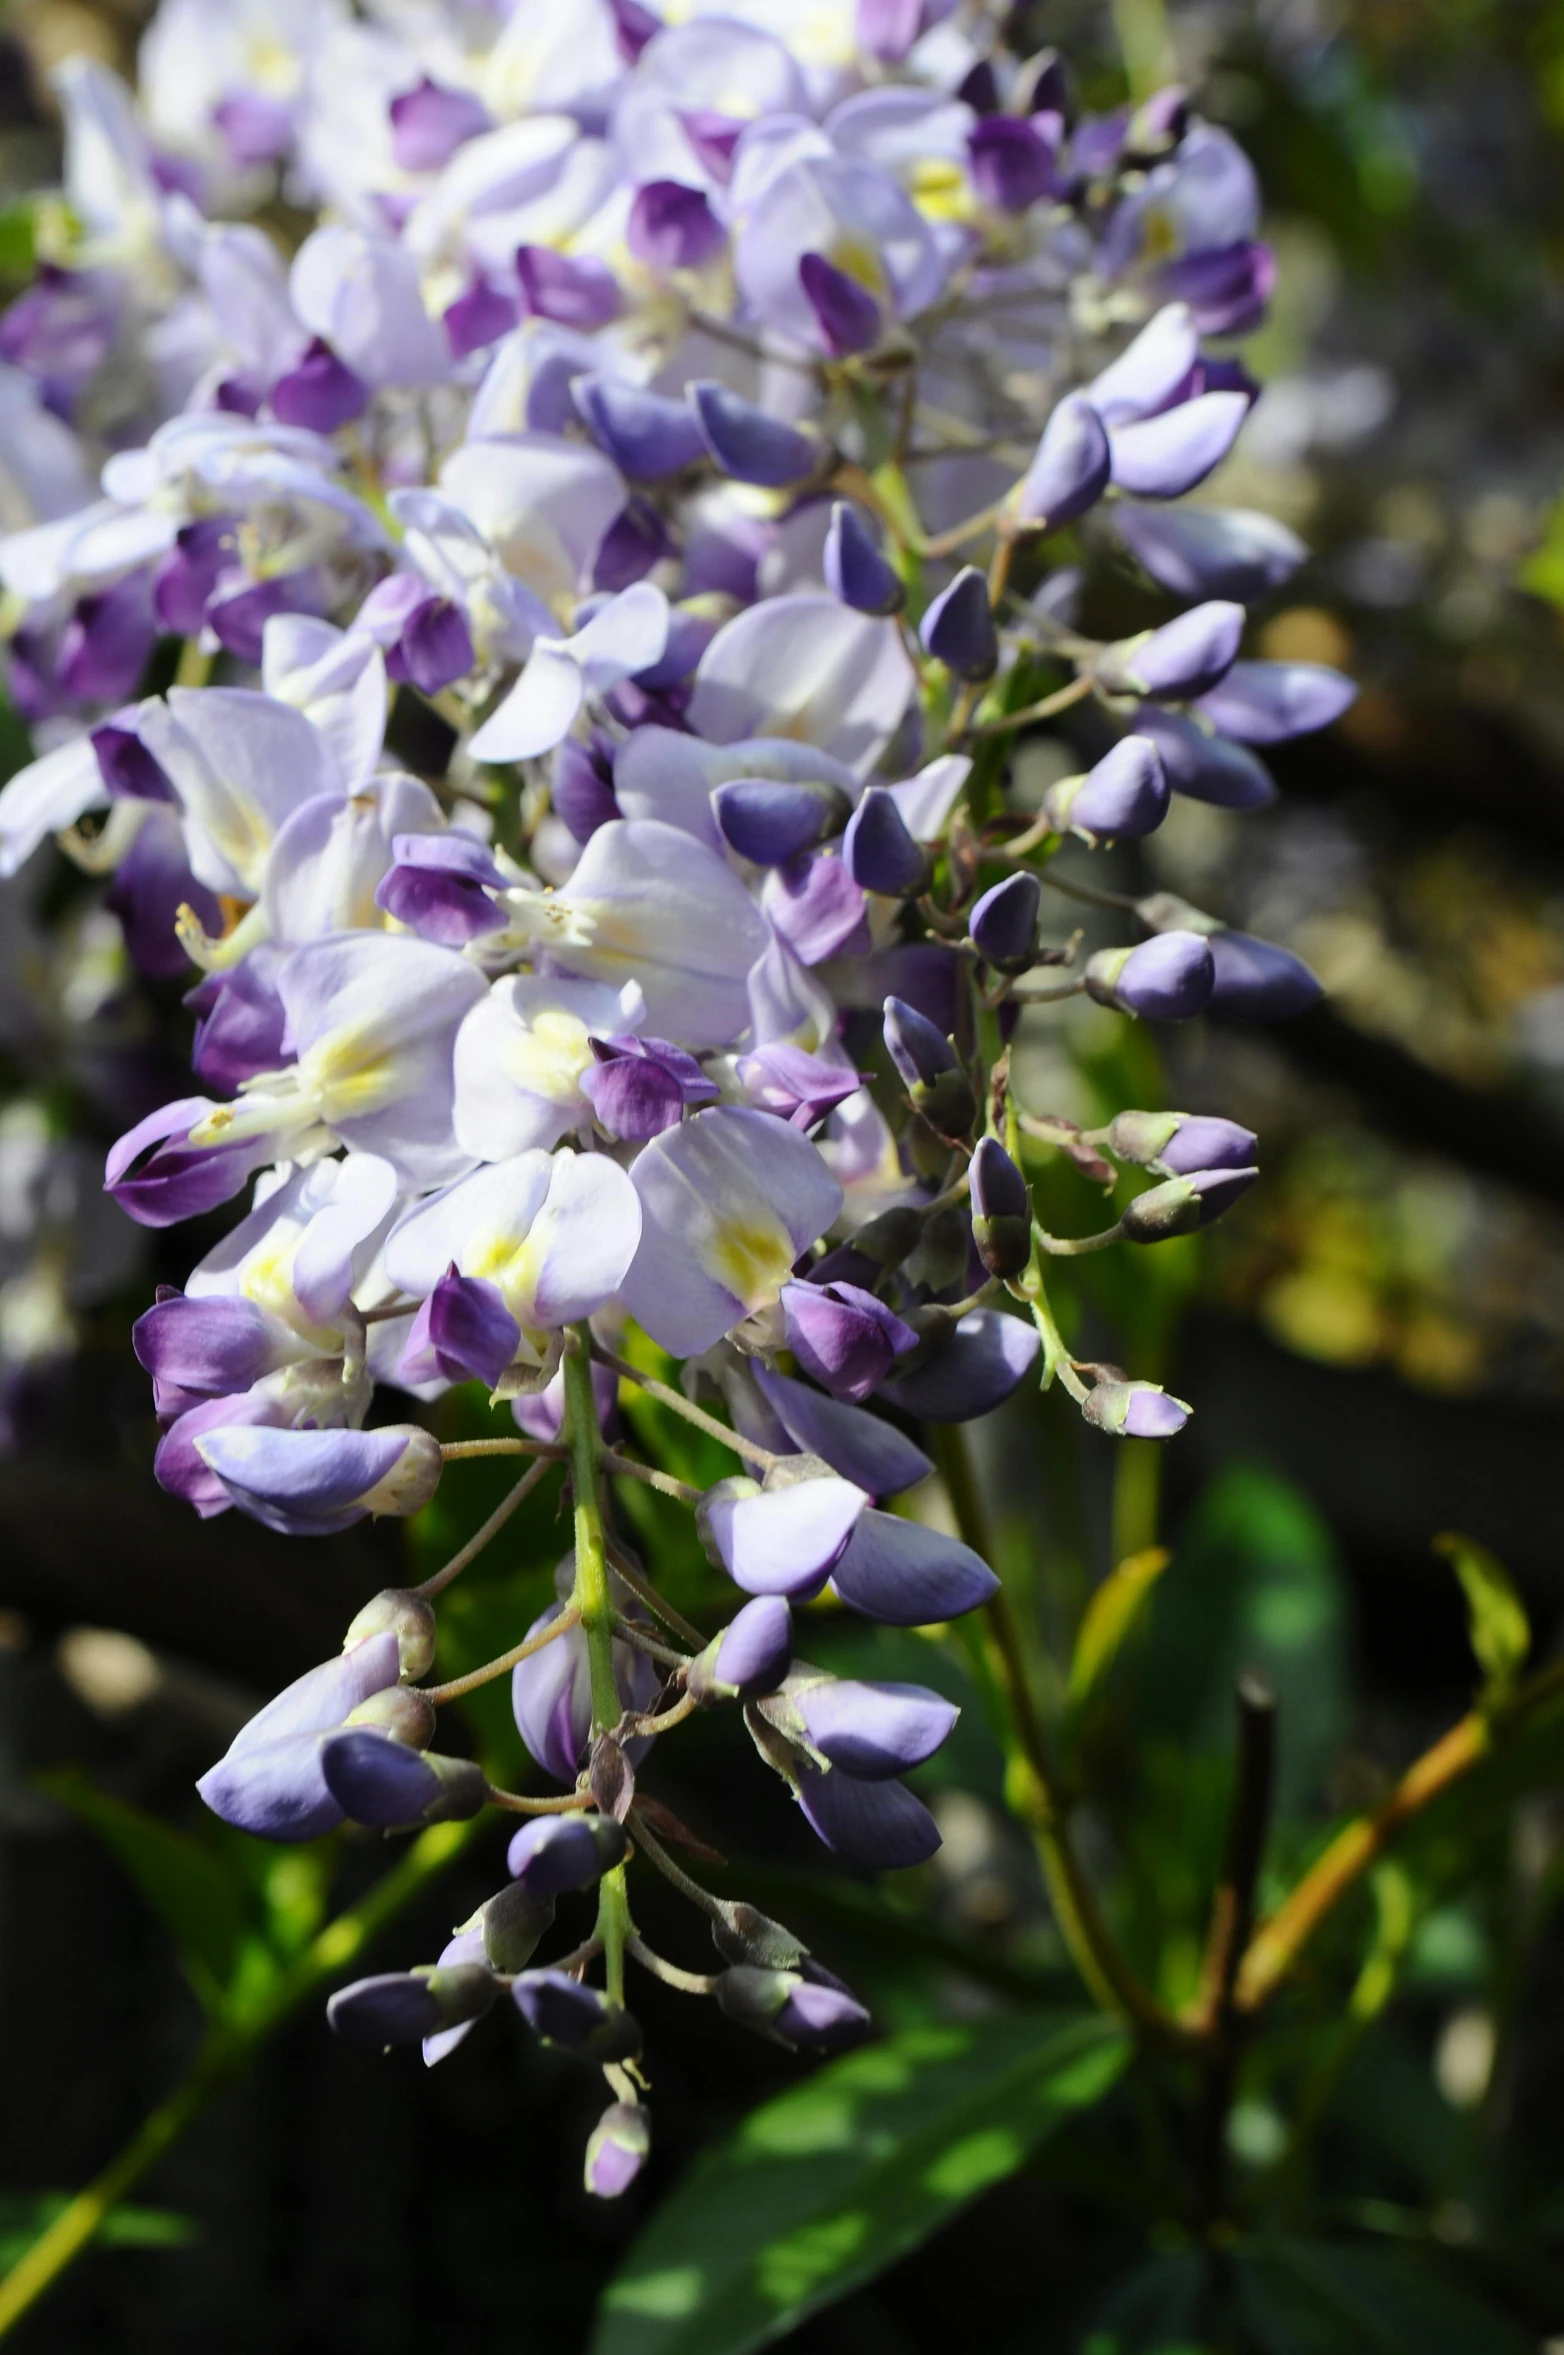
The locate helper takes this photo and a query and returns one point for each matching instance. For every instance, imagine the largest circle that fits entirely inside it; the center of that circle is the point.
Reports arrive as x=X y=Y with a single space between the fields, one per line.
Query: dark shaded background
x=1381 y=1325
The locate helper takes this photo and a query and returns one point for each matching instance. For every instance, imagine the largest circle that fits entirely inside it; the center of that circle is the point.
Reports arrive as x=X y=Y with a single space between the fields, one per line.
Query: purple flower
x=798 y=1087
x=1166 y=979
x=879 y=1826
x=640 y=1086
x=1206 y=767
x=159 y=1177
x=562 y=2011
x=1184 y=658
x=926 y=1061
x=319 y=391
x=1004 y=922
x=554 y=1853
x=905 y=1575
x=878 y=851
x=307 y=1483
x=1013 y=166
x=672 y=227
x=617 y=2150
x=870 y=1453
x=583 y=788
x=208 y=1348
x=574 y=289
x=644 y=433
x=1266 y=702
x=105 y=644
x=241 y=1020
x=816 y=908
x=270 y=1781
x=152 y=884
x=405 y=2007
x=202 y=553
x=807 y=2010
x=869 y=1731
x=1135 y=1410
x=1257 y=982
x=971 y=1371
x=1227 y=287
x=782 y=1540
x=462 y=1332
x=748 y=443
x=430 y=122
x=855 y=569
x=1183 y=1205
x=846 y=316
x=1210 y=551
x=440 y=886
x=1125 y=796
x=551 y=1697
x=1001 y=1210
x=1177 y=1144
x=750 y=1657
x=1163 y=456
x=478 y=318
x=771 y=821
x=843 y=1336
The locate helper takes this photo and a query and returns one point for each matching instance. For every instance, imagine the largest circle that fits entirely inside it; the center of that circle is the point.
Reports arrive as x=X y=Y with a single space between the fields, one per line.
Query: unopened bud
x=1182 y=1205
x=559 y=1852
x=511 y=1924
x=617 y=2150
x=888 y=1238
x=401 y=1711
x=403 y=2007
x=1167 y=979
x=378 y=1782
x=926 y=1061
x=808 y=2014
x=1004 y=923
x=743 y=1934
x=397 y=1611
x=749 y=1657
x=958 y=628
x=1177 y=1144
x=561 y=2011
x=1001 y=1211
x=879 y=852
x=1135 y=1410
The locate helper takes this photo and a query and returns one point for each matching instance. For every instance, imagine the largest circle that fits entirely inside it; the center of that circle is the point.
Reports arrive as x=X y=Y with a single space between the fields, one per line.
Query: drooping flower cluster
x=613 y=553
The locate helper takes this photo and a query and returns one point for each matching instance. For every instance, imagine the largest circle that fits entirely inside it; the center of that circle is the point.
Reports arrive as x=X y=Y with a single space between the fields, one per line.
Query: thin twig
x=676 y=1401
x=687 y=1982
x=666 y=1483
x=439 y=1694
x=519 y=1804
x=626 y=1632
x=1061 y=700
x=685 y=1707
x=491 y=1528
x=466 y=1451
x=655 y=1853
x=624 y=1568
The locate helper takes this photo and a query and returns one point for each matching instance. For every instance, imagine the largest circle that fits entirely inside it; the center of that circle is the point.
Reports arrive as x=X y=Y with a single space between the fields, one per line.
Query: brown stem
x=439 y=1694
x=491 y=1528
x=466 y=1451
x=665 y=1483
x=519 y=1804
x=655 y=1853
x=1278 y=1942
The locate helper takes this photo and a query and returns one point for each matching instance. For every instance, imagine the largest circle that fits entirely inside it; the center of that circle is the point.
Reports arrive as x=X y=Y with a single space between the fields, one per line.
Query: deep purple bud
x=638 y=1087
x=573 y=289
x=554 y=1853
x=1071 y=468
x=1266 y=702
x=843 y=1336
x=1176 y=1144
x=127 y=768
x=478 y=318
x=1203 y=766
x=429 y=123
x=772 y=822
x=583 y=788
x=202 y=552
x=435 y=647
x=1183 y=658
x=617 y=2150
x=1012 y=165
x=873 y=1731
x=855 y=569
x=381 y=1783
x=969 y=1373
x=1167 y=979
x=1099 y=142
x=440 y=887
x=1001 y=1211
x=1004 y=922
x=319 y=392
x=561 y=2011
x=1227 y=287
x=1124 y=797
x=1183 y=1205
x=750 y=1657
x=1210 y=551
x=672 y=227
x=1164 y=456
x=926 y=1061
x=795 y=1085
x=1135 y=1410
x=105 y=644
x=644 y=433
x=846 y=314
x=958 y=628
x=403 y=2007
x=806 y=2015
x=1258 y=982
x=463 y=1332
x=747 y=443
x=878 y=851
x=203 y=1348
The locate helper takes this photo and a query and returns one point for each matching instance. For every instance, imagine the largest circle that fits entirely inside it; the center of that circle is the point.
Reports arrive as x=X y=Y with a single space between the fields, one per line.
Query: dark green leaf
x=192 y=1890
x=1316 y=2297
x=1110 y=1615
x=1496 y=1616
x=823 y=2188
x=24 y=2215
x=1159 y=2310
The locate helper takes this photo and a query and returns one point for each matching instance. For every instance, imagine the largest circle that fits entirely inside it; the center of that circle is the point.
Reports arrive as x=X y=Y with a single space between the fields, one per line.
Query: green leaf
x=1317 y=2297
x=824 y=2187
x=26 y=2215
x=18 y=240
x=1496 y=1616
x=1110 y=1615
x=1159 y=2309
x=193 y=1892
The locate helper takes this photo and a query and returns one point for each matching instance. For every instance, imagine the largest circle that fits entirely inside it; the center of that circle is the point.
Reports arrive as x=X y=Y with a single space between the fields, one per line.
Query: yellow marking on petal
x=857 y=259
x=349 y=1073
x=548 y=1058
x=751 y=1258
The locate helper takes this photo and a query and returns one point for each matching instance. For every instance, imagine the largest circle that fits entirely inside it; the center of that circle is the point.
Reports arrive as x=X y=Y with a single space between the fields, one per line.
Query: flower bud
x=846 y=314
x=749 y=1657
x=878 y=851
x=401 y=1712
x=1182 y=1205
x=1124 y=797
x=871 y=1732
x=462 y=1332
x=441 y=884
x=377 y=1782
x=743 y=1934
x=1001 y=1211
x=1255 y=981
x=617 y=2150
x=1177 y=1144
x=1070 y=470
x=1012 y=164
x=1184 y=658
x=807 y=2015
x=843 y=1336
x=561 y=2011
x=856 y=571
x=647 y=435
x=1167 y=979
x=958 y=628
x=1135 y=1410
x=397 y=1611
x=554 y=1853
x=403 y=2007
x=927 y=1063
x=672 y=227
x=783 y=1540
x=1004 y=923
x=747 y=442
x=890 y=1235
x=772 y=821
x=511 y=1924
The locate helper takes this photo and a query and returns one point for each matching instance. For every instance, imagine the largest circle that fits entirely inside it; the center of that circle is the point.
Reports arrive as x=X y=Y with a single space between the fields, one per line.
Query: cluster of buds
x=581 y=807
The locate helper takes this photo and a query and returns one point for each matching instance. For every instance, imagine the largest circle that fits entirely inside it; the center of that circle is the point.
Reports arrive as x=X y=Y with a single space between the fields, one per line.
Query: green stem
x=594 y=1600
x=222 y=2056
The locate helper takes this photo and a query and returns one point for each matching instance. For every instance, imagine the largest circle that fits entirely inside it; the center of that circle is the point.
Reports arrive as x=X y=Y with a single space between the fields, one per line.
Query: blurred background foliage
x=1375 y=1346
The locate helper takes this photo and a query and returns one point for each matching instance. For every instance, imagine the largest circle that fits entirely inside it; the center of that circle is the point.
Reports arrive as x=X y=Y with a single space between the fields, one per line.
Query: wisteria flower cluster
x=608 y=559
